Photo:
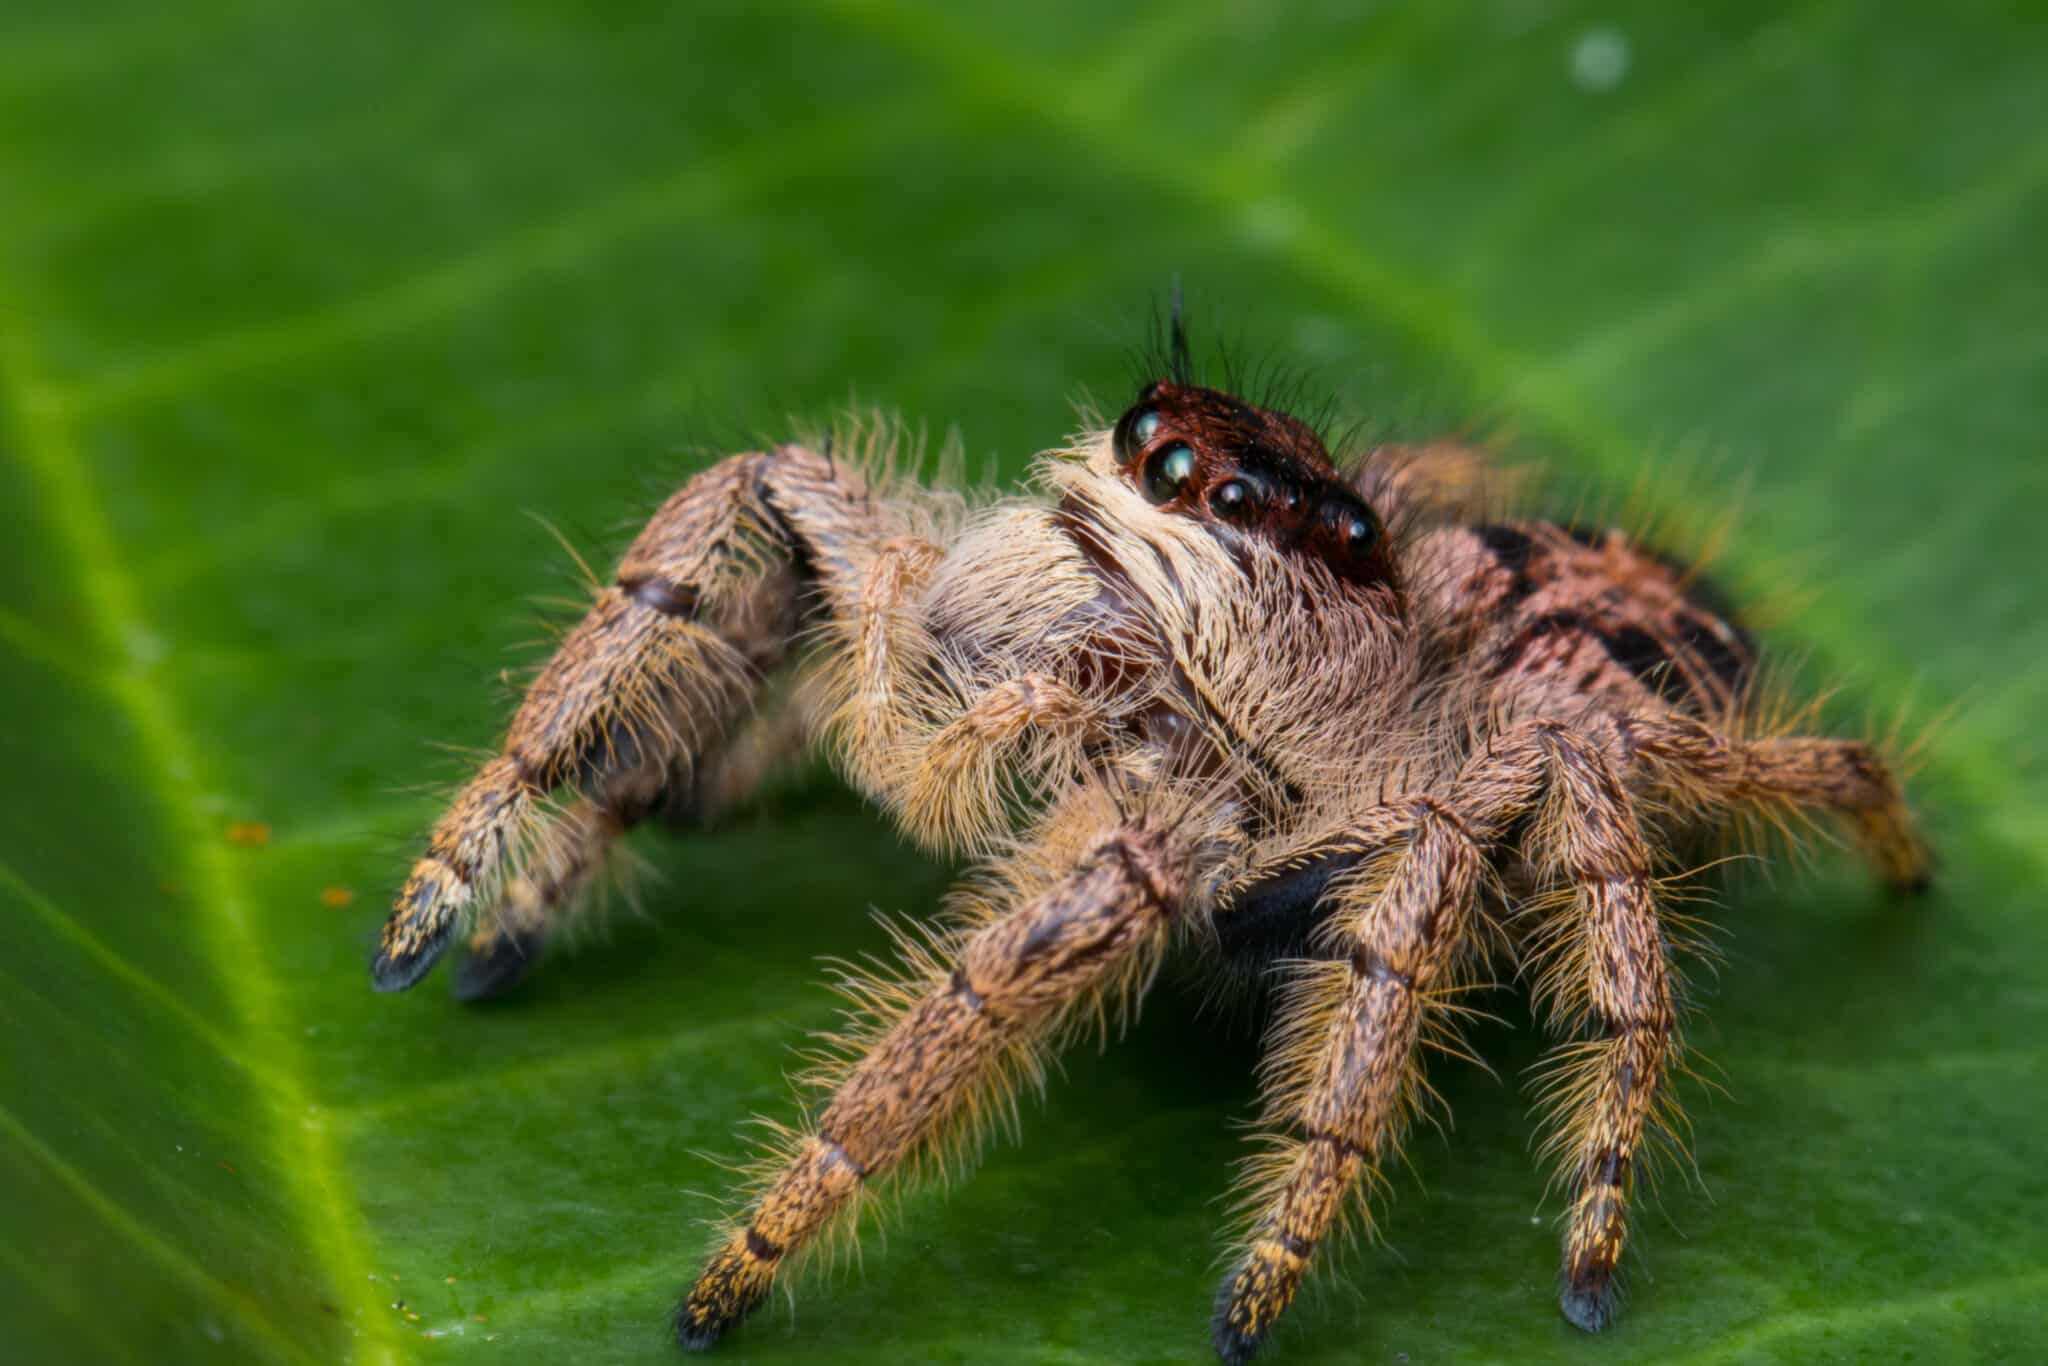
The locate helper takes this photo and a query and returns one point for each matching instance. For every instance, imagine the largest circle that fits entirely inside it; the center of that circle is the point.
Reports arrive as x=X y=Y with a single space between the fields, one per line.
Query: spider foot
x=1234 y=1346
x=417 y=933
x=731 y=1287
x=494 y=968
x=1591 y=1302
x=693 y=1336
x=1252 y=1300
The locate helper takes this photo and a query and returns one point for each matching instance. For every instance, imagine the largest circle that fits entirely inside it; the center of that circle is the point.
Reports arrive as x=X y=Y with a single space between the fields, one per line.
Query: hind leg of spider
x=705 y=601
x=954 y=1048
x=1343 y=1074
x=1847 y=777
x=1435 y=480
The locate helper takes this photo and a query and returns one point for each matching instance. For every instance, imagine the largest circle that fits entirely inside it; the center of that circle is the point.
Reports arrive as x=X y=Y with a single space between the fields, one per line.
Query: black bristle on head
x=1181 y=364
x=1167 y=354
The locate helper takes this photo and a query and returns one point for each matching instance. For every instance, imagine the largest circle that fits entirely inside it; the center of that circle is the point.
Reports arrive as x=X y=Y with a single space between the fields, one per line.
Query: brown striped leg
x=570 y=850
x=1611 y=977
x=1343 y=1070
x=1344 y=1052
x=1843 y=776
x=772 y=740
x=967 y=1029
x=706 y=599
x=573 y=847
x=568 y=853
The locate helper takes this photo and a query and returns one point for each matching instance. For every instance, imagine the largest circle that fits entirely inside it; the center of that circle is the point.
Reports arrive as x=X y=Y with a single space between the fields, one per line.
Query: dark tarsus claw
x=498 y=967
x=396 y=974
x=692 y=1339
x=1919 y=884
x=1589 y=1308
x=1227 y=1334
x=693 y=1335
x=1232 y=1347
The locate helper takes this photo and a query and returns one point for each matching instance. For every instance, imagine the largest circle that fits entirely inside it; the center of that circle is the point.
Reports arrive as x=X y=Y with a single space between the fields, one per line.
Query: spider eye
x=1231 y=499
x=1135 y=433
x=1361 y=532
x=1167 y=472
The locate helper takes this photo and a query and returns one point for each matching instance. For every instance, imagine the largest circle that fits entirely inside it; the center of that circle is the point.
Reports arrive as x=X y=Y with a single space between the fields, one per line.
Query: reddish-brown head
x=1243 y=470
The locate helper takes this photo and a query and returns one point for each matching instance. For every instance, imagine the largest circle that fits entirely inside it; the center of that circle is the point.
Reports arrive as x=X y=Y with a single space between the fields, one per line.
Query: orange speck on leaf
x=249 y=834
x=337 y=897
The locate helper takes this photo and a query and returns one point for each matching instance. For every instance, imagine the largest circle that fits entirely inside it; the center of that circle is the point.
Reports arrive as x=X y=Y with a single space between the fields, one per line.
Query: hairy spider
x=1204 y=686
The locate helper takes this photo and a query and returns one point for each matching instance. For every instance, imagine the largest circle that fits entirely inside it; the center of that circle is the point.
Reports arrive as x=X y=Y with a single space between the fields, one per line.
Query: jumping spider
x=1205 y=687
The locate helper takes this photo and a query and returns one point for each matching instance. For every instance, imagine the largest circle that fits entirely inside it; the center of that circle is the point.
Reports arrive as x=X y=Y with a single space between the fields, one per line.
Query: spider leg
x=1437 y=479
x=956 y=789
x=706 y=600
x=947 y=782
x=772 y=740
x=1343 y=1074
x=568 y=853
x=1087 y=915
x=1610 y=975
x=1843 y=776
x=572 y=848
x=876 y=713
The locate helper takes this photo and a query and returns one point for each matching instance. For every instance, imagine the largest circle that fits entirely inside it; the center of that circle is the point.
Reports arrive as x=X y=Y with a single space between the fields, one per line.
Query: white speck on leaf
x=1599 y=60
x=1319 y=335
x=143 y=648
x=1270 y=223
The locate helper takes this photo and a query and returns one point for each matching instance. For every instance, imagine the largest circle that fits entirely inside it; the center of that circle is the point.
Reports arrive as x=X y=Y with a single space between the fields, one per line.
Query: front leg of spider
x=571 y=848
x=1344 y=1076
x=971 y=1026
x=705 y=601
x=1609 y=976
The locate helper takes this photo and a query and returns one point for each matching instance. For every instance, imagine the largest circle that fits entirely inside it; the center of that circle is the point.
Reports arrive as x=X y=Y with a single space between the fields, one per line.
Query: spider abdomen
x=1569 y=615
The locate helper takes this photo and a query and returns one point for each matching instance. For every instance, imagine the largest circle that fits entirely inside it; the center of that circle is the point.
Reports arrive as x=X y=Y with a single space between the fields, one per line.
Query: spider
x=1200 y=687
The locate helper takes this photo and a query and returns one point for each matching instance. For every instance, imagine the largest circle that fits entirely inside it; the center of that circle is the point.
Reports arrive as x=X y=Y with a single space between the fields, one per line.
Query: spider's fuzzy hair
x=1298 y=1053
x=1133 y=718
x=879 y=992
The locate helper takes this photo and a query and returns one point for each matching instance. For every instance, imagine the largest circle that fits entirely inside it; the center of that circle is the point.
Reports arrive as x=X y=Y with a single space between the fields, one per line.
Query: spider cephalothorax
x=1248 y=472
x=1204 y=686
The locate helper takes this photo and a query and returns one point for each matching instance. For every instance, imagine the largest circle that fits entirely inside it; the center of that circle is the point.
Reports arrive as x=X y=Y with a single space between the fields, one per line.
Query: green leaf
x=302 y=307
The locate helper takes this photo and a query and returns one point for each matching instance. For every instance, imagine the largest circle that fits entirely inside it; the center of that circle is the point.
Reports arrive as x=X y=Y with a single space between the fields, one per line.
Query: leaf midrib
x=51 y=453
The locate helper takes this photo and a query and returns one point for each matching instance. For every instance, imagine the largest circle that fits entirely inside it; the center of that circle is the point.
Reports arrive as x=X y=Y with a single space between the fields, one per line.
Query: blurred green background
x=303 y=306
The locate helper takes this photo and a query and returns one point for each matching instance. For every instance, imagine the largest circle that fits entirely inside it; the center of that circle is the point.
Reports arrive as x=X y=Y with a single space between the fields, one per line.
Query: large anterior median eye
x=1167 y=471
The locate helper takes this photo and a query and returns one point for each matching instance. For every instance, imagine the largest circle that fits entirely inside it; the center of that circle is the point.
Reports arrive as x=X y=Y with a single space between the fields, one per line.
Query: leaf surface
x=301 y=308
